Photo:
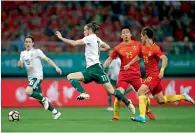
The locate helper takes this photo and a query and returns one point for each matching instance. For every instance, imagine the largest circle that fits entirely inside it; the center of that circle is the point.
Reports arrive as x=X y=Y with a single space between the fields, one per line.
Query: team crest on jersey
x=134 y=47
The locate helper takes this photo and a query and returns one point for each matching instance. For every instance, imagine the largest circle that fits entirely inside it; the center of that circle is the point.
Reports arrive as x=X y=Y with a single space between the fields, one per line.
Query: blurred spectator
x=170 y=20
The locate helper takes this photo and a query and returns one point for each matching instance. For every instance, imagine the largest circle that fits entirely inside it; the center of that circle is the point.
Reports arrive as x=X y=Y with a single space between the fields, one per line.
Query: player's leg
x=117 y=105
x=136 y=82
x=55 y=113
x=74 y=79
x=158 y=96
x=110 y=108
x=30 y=92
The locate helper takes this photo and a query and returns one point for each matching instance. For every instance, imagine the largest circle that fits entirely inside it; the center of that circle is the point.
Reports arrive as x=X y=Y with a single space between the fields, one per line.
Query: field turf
x=170 y=119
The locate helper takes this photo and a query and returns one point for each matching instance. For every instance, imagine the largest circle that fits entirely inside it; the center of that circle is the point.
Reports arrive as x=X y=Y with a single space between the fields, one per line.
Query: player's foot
x=138 y=119
x=114 y=119
x=83 y=96
x=56 y=115
x=45 y=103
x=188 y=98
x=110 y=109
x=131 y=107
x=150 y=115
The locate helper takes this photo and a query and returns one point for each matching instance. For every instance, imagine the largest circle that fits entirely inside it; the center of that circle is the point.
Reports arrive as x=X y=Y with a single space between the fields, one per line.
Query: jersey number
x=98 y=42
x=145 y=59
x=27 y=62
x=129 y=54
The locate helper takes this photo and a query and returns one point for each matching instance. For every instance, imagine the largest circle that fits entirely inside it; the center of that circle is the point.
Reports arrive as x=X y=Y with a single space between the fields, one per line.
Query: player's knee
x=28 y=91
x=69 y=76
x=161 y=101
x=121 y=90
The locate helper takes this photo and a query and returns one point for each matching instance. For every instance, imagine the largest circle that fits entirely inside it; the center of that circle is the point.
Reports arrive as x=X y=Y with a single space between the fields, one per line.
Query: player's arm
x=104 y=47
x=164 y=65
x=135 y=59
x=42 y=56
x=20 y=62
x=51 y=62
x=112 y=56
x=164 y=59
x=71 y=42
x=107 y=62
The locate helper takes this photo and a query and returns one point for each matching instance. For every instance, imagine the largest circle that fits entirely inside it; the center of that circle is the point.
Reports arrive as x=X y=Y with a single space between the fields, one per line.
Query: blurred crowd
x=173 y=23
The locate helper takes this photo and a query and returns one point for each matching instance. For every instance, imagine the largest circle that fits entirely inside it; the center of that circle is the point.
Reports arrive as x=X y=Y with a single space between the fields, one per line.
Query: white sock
x=43 y=99
x=54 y=111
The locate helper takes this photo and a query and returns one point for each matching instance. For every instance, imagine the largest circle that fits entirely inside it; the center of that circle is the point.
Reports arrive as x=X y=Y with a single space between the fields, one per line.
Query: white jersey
x=92 y=49
x=32 y=63
x=114 y=68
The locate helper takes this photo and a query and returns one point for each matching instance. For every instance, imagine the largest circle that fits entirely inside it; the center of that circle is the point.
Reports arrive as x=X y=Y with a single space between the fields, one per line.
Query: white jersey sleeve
x=41 y=54
x=21 y=57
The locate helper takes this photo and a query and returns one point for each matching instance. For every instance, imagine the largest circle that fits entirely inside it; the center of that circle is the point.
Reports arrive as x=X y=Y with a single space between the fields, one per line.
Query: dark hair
x=93 y=26
x=148 y=31
x=31 y=37
x=125 y=27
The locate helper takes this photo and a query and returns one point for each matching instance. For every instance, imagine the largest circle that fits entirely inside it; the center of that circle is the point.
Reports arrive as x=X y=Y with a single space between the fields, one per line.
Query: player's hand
x=161 y=75
x=126 y=67
x=58 y=34
x=59 y=71
x=20 y=64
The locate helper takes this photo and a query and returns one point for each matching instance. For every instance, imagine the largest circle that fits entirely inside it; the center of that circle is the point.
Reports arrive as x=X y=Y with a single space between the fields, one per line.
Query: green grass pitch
x=171 y=119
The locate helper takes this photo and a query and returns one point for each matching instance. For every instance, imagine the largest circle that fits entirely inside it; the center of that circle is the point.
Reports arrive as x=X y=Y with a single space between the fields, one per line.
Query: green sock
x=50 y=108
x=76 y=84
x=110 y=99
x=127 y=91
x=37 y=96
x=121 y=97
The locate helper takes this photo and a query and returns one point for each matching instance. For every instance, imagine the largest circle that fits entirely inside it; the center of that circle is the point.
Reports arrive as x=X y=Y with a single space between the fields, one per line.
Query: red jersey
x=127 y=52
x=151 y=55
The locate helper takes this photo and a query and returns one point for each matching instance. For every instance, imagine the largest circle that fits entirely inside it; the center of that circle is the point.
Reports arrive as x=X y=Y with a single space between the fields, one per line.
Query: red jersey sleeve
x=158 y=52
x=114 y=53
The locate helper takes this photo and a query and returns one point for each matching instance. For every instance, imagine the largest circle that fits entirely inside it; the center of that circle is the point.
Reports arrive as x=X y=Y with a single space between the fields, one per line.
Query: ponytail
x=93 y=26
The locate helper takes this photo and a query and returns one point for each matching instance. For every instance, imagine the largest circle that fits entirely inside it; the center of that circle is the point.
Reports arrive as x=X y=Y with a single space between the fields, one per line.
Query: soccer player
x=31 y=59
x=126 y=50
x=151 y=53
x=94 y=70
x=113 y=72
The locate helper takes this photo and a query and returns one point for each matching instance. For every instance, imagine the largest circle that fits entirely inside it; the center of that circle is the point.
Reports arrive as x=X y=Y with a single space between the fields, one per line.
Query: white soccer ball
x=14 y=116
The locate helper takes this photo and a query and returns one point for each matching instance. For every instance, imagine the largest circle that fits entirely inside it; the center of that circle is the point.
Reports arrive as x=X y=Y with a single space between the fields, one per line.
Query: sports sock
x=116 y=108
x=173 y=98
x=110 y=100
x=147 y=104
x=142 y=106
x=128 y=90
x=36 y=95
x=121 y=97
x=76 y=84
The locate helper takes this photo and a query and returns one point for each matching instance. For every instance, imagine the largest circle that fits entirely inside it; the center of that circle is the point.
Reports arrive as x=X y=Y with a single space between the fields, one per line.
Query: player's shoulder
x=119 y=45
x=155 y=46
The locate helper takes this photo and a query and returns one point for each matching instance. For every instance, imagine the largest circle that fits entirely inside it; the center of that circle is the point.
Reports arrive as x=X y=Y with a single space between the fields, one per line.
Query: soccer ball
x=14 y=116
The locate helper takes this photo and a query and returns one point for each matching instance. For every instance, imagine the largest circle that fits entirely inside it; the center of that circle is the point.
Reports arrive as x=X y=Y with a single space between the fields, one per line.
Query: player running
x=151 y=54
x=31 y=58
x=127 y=50
x=94 y=70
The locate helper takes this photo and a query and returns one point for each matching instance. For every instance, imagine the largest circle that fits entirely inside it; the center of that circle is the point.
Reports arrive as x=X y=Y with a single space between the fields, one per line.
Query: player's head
x=147 y=33
x=29 y=42
x=126 y=33
x=90 y=28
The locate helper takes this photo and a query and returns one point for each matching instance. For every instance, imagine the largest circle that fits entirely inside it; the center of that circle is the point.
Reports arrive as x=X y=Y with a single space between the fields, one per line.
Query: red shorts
x=124 y=79
x=154 y=83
